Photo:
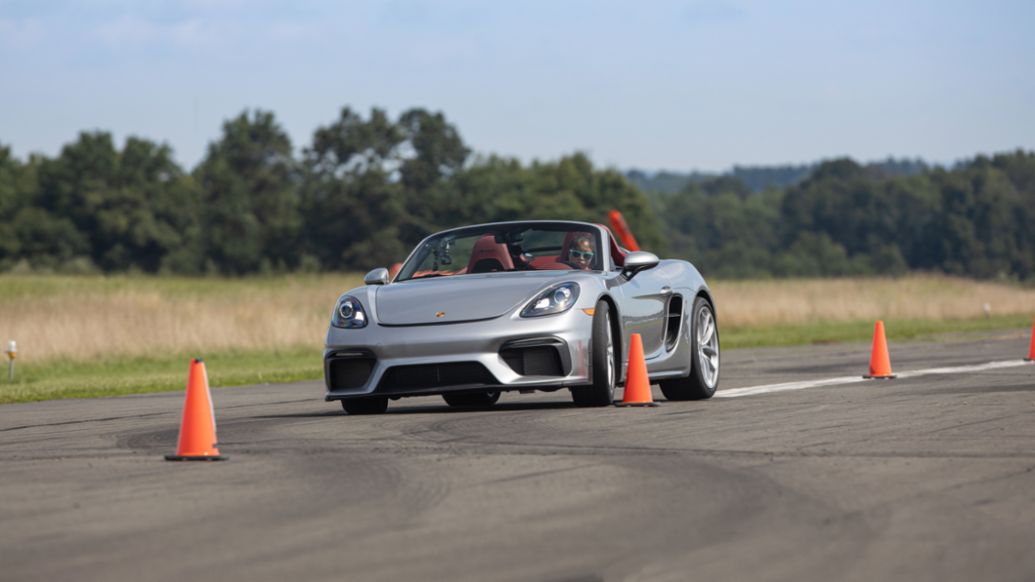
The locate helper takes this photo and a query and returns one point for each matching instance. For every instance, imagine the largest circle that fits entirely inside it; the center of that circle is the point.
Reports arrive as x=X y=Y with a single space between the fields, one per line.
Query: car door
x=642 y=302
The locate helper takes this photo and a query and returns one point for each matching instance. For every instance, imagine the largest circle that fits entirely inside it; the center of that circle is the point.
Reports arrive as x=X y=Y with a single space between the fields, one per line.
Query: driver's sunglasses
x=587 y=255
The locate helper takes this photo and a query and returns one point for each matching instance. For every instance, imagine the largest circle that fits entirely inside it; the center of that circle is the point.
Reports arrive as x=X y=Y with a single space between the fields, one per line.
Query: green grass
x=52 y=380
x=846 y=331
x=116 y=377
x=119 y=313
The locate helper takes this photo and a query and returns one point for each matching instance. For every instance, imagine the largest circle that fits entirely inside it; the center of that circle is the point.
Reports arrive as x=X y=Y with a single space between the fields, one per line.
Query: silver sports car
x=526 y=306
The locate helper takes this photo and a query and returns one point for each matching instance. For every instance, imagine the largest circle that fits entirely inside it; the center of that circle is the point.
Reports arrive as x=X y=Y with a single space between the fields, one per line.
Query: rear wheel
x=368 y=405
x=472 y=399
x=704 y=353
x=603 y=363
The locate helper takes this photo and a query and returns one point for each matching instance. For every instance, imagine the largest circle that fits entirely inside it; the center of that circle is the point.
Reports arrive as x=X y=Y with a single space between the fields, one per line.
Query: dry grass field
x=84 y=318
x=87 y=318
x=105 y=336
x=743 y=304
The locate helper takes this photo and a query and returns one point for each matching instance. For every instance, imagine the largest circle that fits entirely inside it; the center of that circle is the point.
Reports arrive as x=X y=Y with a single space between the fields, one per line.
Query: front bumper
x=505 y=353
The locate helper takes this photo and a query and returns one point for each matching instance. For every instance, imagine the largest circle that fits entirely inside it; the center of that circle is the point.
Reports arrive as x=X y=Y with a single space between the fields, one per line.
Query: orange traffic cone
x=1031 y=346
x=880 y=362
x=637 y=384
x=622 y=230
x=198 y=429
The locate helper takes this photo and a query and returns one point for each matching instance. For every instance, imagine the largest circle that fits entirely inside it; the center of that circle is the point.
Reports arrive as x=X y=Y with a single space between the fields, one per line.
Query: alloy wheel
x=707 y=346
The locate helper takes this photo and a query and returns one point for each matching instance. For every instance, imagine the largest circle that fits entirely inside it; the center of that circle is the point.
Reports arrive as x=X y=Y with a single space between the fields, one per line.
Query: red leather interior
x=488 y=256
x=617 y=252
x=543 y=262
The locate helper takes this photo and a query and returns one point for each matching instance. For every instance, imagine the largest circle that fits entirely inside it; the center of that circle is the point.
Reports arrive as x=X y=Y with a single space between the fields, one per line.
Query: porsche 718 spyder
x=526 y=306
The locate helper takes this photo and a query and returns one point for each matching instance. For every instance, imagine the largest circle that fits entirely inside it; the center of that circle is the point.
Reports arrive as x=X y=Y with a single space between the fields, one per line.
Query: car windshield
x=506 y=248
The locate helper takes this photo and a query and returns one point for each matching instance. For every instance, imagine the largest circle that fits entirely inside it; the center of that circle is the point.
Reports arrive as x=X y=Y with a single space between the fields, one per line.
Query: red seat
x=489 y=256
x=617 y=252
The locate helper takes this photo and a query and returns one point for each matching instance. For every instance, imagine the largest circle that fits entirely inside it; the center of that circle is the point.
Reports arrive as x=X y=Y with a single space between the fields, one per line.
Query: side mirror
x=378 y=276
x=639 y=261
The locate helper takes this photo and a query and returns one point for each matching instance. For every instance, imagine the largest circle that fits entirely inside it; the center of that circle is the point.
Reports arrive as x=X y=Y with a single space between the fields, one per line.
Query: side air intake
x=673 y=322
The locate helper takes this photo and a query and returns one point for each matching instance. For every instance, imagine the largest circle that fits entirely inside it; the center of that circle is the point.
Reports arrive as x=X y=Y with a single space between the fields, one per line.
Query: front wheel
x=472 y=399
x=704 y=354
x=368 y=405
x=603 y=364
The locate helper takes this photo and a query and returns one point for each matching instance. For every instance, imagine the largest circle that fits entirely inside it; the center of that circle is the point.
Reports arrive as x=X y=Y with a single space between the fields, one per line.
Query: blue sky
x=666 y=84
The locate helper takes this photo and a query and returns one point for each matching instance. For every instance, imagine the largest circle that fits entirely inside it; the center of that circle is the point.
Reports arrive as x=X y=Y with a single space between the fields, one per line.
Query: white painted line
x=964 y=369
x=753 y=390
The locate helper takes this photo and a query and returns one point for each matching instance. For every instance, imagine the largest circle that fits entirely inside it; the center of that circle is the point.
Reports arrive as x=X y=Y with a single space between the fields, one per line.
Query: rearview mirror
x=378 y=276
x=639 y=261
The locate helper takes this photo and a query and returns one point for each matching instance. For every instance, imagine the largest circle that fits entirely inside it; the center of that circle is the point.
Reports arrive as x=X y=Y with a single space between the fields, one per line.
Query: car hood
x=460 y=297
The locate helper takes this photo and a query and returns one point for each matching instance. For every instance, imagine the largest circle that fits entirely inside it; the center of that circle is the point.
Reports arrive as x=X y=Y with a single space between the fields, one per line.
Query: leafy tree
x=352 y=209
x=77 y=187
x=149 y=212
x=248 y=182
x=368 y=188
x=723 y=229
x=430 y=156
x=123 y=209
x=48 y=241
x=438 y=150
x=11 y=200
x=568 y=189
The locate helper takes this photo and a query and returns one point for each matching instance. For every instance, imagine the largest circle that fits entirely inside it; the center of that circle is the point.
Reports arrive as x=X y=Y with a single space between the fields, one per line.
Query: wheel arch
x=616 y=333
x=703 y=292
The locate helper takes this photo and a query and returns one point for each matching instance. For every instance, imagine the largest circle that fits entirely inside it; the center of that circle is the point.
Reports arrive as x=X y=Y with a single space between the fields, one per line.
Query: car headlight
x=348 y=313
x=556 y=299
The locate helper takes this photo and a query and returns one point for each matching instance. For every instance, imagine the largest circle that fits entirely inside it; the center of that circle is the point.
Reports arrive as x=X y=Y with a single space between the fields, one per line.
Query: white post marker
x=12 y=353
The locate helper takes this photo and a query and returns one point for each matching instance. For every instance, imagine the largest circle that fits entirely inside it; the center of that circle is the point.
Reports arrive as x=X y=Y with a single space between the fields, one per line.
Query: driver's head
x=580 y=252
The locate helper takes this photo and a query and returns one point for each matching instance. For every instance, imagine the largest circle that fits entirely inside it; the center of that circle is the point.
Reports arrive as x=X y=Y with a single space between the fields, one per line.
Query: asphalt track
x=929 y=477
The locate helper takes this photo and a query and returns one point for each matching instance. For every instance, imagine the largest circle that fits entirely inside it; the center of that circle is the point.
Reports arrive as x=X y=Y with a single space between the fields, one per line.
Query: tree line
x=976 y=219
x=759 y=178
x=362 y=193
x=366 y=188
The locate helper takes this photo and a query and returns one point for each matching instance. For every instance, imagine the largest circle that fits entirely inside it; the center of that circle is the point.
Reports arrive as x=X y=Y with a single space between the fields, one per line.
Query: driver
x=580 y=252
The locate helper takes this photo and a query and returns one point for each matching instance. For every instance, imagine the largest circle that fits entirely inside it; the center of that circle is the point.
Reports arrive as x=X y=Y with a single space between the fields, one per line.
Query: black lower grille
x=349 y=372
x=534 y=361
x=431 y=376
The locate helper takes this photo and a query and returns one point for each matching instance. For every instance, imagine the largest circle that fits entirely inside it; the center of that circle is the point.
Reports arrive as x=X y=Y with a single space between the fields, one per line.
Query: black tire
x=368 y=405
x=696 y=385
x=602 y=391
x=472 y=399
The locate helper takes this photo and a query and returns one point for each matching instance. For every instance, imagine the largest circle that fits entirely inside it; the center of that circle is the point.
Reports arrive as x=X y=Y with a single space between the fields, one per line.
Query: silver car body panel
x=470 y=318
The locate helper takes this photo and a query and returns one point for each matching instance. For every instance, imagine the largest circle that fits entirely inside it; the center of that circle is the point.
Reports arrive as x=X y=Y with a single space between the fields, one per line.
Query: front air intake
x=427 y=377
x=348 y=372
x=537 y=356
x=536 y=361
